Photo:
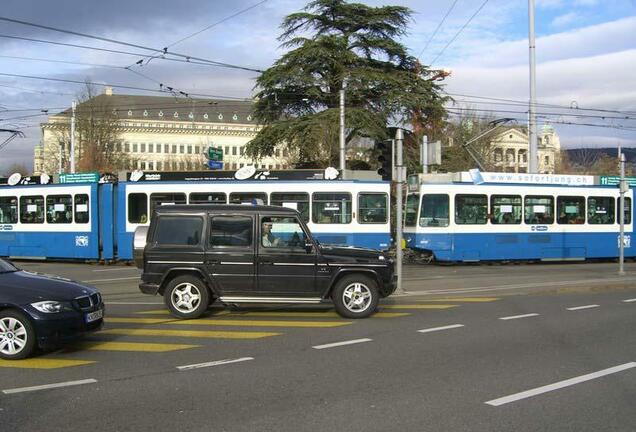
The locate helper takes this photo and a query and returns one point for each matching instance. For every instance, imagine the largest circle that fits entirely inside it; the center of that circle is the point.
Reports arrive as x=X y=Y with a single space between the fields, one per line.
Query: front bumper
x=55 y=329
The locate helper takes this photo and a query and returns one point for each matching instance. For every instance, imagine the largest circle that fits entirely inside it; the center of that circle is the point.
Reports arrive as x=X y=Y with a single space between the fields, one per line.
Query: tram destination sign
x=87 y=177
x=615 y=181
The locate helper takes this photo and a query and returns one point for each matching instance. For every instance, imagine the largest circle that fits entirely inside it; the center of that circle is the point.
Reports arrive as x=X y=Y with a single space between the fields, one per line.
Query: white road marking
x=519 y=316
x=111 y=280
x=130 y=303
x=49 y=386
x=213 y=363
x=629 y=300
x=337 y=344
x=583 y=307
x=115 y=269
x=559 y=385
x=434 y=329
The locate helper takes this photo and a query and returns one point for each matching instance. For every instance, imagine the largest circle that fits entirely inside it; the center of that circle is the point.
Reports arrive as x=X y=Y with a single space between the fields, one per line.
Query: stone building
x=509 y=150
x=164 y=133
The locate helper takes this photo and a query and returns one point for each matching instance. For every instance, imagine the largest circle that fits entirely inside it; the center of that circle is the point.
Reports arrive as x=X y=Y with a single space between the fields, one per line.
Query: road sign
x=215 y=154
x=87 y=177
x=212 y=164
x=615 y=180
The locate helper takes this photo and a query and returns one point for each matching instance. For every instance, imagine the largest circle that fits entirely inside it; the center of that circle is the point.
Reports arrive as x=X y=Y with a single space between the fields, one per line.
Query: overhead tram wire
x=437 y=29
x=36 y=91
x=459 y=32
x=603 y=117
x=116 y=86
x=132 y=45
x=148 y=58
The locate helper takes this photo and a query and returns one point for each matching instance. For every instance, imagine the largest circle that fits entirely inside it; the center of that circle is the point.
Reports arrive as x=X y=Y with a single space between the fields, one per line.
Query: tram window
x=138 y=208
x=571 y=210
x=600 y=210
x=539 y=210
x=297 y=200
x=8 y=210
x=628 y=210
x=207 y=198
x=506 y=209
x=179 y=231
x=331 y=208
x=81 y=208
x=158 y=199
x=32 y=209
x=248 y=197
x=434 y=210
x=410 y=212
x=59 y=209
x=471 y=209
x=372 y=208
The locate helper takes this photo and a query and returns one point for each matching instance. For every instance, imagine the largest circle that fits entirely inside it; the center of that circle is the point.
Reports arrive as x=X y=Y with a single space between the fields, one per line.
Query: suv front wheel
x=355 y=296
x=186 y=297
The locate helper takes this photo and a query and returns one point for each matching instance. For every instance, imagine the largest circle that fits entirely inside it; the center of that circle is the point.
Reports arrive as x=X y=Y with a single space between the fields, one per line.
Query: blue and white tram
x=59 y=221
x=343 y=212
x=476 y=222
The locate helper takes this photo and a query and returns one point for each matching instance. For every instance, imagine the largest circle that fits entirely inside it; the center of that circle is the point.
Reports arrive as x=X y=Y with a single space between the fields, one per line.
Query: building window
x=166 y=148
x=197 y=150
x=227 y=150
x=135 y=148
x=189 y=149
x=174 y=148
x=242 y=151
x=151 y=148
x=182 y=149
x=143 y=147
x=547 y=160
x=127 y=147
x=233 y=150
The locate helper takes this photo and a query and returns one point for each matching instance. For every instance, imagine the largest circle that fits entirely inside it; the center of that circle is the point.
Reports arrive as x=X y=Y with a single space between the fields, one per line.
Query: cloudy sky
x=586 y=54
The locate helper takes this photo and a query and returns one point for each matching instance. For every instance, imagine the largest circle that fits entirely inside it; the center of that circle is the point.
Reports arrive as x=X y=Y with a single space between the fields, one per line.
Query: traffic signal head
x=385 y=159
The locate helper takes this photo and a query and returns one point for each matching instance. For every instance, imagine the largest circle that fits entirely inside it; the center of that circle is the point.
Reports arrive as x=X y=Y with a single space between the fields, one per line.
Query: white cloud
x=565 y=19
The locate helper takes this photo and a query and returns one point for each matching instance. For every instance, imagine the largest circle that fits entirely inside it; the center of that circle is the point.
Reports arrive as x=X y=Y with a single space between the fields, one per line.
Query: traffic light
x=215 y=158
x=385 y=159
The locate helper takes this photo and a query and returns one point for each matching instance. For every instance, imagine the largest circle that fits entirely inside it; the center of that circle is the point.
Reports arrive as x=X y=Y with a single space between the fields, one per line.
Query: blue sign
x=212 y=164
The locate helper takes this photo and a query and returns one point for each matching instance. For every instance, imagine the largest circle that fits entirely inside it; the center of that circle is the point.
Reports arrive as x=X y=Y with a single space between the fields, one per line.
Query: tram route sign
x=87 y=177
x=615 y=180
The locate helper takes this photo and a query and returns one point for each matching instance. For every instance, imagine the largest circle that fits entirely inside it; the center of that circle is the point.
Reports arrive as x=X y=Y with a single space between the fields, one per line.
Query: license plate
x=94 y=316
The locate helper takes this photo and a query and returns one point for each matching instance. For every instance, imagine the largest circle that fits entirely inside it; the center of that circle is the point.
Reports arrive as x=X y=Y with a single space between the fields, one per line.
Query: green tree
x=329 y=43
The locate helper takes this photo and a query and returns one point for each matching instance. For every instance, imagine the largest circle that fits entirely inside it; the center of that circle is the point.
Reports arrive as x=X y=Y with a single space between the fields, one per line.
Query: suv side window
x=230 y=230
x=179 y=231
x=282 y=233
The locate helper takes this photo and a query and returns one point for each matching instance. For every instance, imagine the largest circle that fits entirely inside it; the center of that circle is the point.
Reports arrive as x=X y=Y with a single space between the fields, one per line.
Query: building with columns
x=164 y=133
x=509 y=150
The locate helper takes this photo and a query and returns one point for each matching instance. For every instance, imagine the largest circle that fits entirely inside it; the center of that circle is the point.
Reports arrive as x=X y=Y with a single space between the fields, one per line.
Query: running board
x=299 y=300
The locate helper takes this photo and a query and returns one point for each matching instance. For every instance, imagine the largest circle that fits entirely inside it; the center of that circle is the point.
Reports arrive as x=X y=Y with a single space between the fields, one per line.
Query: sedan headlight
x=48 y=306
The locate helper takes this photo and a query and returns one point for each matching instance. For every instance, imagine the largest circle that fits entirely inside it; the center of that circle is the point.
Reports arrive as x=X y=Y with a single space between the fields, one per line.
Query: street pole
x=73 y=139
x=424 y=154
x=399 y=137
x=342 y=129
x=393 y=173
x=621 y=237
x=533 y=163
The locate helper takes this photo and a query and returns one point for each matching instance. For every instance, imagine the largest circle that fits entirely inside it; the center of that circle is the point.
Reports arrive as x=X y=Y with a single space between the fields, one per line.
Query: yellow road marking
x=190 y=333
x=135 y=347
x=299 y=314
x=216 y=312
x=463 y=299
x=229 y=322
x=42 y=363
x=418 y=306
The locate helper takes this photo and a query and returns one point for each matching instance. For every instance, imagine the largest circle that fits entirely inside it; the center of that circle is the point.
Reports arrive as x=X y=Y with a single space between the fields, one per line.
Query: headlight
x=48 y=306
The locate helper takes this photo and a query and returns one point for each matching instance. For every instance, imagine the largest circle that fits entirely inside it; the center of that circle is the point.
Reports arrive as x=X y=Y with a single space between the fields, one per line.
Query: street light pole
x=399 y=137
x=621 y=237
x=73 y=138
x=532 y=123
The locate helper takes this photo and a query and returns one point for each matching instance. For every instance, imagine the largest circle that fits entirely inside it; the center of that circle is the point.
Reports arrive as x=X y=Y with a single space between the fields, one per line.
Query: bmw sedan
x=41 y=311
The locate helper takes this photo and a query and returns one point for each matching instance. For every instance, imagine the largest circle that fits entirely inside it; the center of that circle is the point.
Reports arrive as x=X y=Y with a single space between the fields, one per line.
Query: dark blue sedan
x=41 y=311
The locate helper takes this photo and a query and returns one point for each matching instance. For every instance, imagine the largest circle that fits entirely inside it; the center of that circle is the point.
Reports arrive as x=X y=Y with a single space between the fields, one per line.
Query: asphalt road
x=440 y=358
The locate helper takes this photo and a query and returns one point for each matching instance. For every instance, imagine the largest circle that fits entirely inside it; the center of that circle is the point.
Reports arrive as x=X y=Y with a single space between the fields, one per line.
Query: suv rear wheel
x=186 y=297
x=17 y=336
x=355 y=296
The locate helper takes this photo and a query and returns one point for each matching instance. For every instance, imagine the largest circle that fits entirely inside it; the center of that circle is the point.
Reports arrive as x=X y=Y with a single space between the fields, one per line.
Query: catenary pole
x=532 y=126
x=342 y=128
x=73 y=138
x=399 y=137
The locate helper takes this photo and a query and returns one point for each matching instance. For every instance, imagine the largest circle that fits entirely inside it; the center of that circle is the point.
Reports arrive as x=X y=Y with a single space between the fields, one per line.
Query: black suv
x=196 y=254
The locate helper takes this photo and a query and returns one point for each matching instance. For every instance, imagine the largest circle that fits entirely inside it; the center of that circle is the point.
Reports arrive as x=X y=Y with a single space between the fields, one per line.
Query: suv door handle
x=266 y=261
x=213 y=261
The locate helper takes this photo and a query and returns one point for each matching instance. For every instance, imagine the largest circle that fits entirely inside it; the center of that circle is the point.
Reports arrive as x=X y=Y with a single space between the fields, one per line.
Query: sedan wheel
x=17 y=337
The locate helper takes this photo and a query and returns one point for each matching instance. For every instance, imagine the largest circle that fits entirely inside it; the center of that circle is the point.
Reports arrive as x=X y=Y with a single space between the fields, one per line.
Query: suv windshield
x=6 y=267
